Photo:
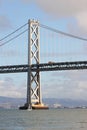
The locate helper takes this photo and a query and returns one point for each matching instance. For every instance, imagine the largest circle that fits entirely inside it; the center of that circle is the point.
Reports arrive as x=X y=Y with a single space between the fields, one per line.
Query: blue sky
x=69 y=16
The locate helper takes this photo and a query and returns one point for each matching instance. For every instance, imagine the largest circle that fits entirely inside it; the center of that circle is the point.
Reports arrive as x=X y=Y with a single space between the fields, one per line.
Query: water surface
x=53 y=119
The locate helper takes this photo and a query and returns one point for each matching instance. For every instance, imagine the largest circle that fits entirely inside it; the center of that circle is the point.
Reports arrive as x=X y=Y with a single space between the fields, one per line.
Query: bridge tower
x=34 y=98
x=33 y=82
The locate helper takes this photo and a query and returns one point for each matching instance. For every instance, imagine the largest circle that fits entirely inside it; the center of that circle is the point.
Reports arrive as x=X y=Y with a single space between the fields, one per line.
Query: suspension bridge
x=48 y=59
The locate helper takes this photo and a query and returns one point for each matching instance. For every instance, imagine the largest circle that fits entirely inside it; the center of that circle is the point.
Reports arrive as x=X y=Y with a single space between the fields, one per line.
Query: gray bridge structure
x=34 y=67
x=44 y=67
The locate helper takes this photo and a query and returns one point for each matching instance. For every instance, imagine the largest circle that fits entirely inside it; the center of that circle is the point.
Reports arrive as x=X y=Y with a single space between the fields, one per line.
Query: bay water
x=52 y=119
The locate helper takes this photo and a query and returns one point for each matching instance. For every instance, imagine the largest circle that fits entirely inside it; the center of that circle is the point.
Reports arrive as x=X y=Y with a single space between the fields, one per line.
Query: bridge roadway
x=44 y=67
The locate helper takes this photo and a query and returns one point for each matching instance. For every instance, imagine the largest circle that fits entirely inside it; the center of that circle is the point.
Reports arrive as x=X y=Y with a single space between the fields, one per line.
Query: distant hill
x=6 y=102
x=65 y=102
x=12 y=100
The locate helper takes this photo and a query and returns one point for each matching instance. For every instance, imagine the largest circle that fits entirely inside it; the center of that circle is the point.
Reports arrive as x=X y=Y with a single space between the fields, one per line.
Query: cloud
x=82 y=20
x=66 y=9
x=79 y=25
x=5 y=23
x=9 y=89
x=66 y=84
x=63 y=8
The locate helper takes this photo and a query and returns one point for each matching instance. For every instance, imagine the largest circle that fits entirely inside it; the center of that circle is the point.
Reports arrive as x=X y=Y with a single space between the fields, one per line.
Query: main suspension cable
x=13 y=32
x=13 y=38
x=63 y=33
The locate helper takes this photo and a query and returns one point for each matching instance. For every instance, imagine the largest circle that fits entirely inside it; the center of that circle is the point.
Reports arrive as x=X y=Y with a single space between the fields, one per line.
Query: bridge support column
x=33 y=86
x=34 y=98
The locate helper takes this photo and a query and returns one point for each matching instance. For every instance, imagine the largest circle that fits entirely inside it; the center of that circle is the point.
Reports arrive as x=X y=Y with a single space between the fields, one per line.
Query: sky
x=65 y=15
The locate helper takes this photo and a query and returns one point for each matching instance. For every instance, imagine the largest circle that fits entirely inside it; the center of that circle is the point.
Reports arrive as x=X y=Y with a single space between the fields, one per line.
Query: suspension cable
x=43 y=26
x=63 y=33
x=13 y=32
x=13 y=38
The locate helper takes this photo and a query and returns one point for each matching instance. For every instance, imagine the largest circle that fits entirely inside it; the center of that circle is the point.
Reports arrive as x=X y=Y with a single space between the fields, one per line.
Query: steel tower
x=33 y=84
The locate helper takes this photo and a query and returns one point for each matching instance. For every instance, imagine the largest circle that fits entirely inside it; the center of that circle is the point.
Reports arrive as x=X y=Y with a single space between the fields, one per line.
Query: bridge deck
x=44 y=67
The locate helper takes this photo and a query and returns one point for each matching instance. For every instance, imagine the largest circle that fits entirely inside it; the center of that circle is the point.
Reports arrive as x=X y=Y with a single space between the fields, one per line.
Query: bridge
x=44 y=67
x=34 y=66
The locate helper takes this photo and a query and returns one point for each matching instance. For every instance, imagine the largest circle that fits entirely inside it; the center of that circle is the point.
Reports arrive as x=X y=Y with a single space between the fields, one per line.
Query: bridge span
x=34 y=65
x=44 y=67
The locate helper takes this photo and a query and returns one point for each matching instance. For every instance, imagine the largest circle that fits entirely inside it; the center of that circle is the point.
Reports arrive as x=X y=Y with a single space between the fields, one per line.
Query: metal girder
x=14 y=68
x=33 y=86
x=44 y=67
x=61 y=66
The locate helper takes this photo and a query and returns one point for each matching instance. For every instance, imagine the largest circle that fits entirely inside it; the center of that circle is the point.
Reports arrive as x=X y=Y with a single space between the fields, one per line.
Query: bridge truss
x=34 y=67
x=44 y=67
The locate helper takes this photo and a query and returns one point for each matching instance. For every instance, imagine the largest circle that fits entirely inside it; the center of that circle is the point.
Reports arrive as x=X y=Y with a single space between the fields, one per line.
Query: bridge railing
x=44 y=67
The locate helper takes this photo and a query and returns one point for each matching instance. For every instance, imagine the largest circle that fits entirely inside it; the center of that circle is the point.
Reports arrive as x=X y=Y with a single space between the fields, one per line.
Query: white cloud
x=9 y=89
x=63 y=8
x=66 y=84
x=66 y=9
x=82 y=20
